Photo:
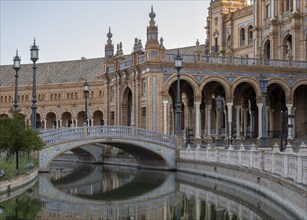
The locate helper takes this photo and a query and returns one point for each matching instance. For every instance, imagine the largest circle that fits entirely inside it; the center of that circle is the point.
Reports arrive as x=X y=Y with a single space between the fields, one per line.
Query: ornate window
x=242 y=37
x=250 y=34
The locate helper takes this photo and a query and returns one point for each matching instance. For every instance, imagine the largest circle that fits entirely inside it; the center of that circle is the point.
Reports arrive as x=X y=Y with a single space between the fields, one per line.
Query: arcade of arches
x=240 y=116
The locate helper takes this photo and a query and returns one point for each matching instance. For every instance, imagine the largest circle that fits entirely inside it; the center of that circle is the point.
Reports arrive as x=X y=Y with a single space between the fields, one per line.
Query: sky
x=69 y=30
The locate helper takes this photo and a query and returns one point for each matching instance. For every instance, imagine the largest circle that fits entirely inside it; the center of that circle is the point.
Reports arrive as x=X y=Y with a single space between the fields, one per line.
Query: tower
x=109 y=49
x=154 y=50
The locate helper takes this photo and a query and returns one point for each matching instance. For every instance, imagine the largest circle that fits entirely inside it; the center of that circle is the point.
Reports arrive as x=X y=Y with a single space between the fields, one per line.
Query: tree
x=16 y=136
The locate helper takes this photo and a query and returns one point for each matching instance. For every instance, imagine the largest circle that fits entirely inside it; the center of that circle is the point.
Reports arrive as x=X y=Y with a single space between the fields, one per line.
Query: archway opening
x=300 y=112
x=276 y=104
x=66 y=119
x=98 y=118
x=81 y=118
x=267 y=51
x=245 y=117
x=213 y=123
x=127 y=107
x=187 y=106
x=51 y=120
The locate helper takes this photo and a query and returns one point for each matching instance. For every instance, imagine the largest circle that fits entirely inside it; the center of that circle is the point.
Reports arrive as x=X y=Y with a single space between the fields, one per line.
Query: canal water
x=101 y=192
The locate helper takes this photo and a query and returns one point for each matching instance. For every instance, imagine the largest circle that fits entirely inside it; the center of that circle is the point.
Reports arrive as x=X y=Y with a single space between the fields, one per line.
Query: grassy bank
x=9 y=166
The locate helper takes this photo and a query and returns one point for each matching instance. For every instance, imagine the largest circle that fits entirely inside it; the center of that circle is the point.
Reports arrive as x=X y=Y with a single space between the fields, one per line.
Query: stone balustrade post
x=240 y=154
x=229 y=154
x=302 y=153
x=274 y=152
x=85 y=131
x=288 y=151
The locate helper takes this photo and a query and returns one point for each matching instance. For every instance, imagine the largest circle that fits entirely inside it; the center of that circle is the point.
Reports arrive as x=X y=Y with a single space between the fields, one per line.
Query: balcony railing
x=190 y=58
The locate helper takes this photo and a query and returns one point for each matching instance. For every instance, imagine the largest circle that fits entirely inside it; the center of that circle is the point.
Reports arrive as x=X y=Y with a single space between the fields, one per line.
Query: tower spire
x=109 y=47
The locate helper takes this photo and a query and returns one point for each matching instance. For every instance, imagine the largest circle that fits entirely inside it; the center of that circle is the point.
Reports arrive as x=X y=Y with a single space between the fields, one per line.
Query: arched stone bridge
x=150 y=149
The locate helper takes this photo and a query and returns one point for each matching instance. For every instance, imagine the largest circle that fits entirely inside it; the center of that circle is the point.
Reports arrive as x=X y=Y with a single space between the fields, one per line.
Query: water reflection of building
x=153 y=202
x=197 y=197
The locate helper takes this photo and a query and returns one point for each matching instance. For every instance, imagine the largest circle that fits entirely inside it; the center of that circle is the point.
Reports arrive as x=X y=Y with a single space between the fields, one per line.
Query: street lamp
x=219 y=141
x=86 y=91
x=178 y=112
x=263 y=80
x=34 y=58
x=16 y=68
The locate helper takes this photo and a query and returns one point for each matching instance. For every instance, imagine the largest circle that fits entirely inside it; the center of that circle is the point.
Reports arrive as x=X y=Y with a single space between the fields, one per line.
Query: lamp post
x=16 y=68
x=178 y=112
x=219 y=141
x=264 y=86
x=34 y=58
x=86 y=91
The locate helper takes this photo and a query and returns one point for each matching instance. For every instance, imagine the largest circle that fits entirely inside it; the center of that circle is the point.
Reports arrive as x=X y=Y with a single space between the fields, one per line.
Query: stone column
x=133 y=103
x=267 y=112
x=190 y=117
x=251 y=124
x=245 y=122
x=57 y=124
x=92 y=122
x=229 y=111
x=209 y=121
x=197 y=130
x=76 y=123
x=197 y=209
x=289 y=107
x=259 y=105
x=45 y=124
x=165 y=102
x=238 y=121
x=293 y=122
x=271 y=122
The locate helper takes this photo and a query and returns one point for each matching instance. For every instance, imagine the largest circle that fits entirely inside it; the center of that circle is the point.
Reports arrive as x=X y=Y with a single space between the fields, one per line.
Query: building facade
x=267 y=29
x=139 y=89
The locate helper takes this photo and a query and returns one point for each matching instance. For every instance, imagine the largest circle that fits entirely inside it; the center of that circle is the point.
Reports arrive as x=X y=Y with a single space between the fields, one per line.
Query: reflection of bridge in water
x=57 y=201
x=174 y=197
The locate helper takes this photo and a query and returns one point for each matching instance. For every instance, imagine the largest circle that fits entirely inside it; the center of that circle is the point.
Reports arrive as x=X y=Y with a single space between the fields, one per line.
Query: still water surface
x=117 y=192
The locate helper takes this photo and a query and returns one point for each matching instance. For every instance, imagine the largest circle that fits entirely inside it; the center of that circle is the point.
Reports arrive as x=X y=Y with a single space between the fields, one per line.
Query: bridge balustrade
x=286 y=164
x=61 y=135
x=55 y=136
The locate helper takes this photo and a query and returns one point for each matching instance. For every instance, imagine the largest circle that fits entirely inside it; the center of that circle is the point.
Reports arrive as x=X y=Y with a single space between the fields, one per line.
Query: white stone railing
x=288 y=164
x=61 y=135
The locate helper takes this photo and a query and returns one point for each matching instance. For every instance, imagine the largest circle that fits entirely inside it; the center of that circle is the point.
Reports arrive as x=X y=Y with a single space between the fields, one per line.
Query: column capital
x=259 y=105
x=209 y=107
x=197 y=104
x=289 y=106
x=165 y=101
x=229 y=98
x=229 y=104
x=197 y=98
